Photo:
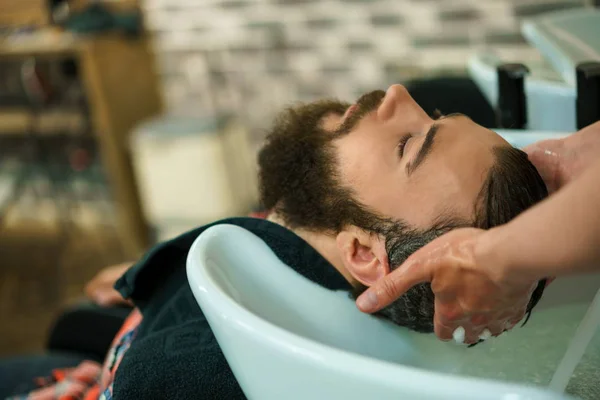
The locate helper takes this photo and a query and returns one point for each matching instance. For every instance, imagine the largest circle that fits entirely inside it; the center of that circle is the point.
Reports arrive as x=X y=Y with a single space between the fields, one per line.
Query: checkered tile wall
x=253 y=56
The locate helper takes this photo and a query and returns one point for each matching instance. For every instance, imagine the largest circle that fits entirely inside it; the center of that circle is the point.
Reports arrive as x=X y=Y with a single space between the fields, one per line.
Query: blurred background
x=126 y=122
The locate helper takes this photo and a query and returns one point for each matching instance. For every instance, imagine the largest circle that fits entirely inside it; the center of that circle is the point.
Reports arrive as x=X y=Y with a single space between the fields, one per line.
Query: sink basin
x=285 y=337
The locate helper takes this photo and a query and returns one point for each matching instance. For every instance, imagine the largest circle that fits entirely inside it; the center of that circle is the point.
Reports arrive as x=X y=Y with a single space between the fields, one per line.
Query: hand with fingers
x=559 y=161
x=471 y=292
x=101 y=288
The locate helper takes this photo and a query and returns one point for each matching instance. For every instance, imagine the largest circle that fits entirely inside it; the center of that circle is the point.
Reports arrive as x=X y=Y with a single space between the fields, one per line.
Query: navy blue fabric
x=175 y=354
x=17 y=374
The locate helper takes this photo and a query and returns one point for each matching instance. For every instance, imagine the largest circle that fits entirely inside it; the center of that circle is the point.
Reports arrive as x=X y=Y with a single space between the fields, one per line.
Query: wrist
x=495 y=252
x=487 y=256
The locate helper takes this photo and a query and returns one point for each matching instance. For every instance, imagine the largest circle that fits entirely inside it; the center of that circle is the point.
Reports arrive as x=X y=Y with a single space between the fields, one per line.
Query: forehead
x=448 y=182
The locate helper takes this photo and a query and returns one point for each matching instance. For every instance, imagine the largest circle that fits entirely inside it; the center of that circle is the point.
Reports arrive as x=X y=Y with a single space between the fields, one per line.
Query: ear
x=363 y=255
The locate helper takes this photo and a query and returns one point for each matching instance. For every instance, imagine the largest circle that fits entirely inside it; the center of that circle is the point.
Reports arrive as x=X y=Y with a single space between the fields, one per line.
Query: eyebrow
x=425 y=149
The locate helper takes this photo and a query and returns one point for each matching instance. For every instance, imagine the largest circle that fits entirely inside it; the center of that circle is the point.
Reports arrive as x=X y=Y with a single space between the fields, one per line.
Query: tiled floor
x=39 y=276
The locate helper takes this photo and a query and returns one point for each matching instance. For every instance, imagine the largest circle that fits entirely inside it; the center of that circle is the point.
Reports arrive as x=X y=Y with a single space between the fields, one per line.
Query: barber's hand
x=561 y=160
x=101 y=288
x=469 y=291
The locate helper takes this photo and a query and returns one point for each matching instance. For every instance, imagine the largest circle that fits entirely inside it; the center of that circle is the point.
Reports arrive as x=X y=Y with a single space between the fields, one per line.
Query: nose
x=394 y=95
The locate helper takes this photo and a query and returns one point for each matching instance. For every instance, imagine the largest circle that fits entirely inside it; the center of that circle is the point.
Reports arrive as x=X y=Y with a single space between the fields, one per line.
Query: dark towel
x=175 y=354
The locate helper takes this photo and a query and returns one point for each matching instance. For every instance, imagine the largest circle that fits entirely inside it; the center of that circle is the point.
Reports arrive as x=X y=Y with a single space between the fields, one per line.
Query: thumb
x=388 y=289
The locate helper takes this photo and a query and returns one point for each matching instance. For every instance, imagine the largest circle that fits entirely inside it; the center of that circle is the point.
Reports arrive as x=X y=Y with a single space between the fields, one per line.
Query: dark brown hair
x=299 y=180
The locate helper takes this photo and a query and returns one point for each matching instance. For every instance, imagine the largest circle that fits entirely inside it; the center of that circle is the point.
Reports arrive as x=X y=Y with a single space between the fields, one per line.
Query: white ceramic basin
x=565 y=39
x=521 y=139
x=550 y=102
x=288 y=338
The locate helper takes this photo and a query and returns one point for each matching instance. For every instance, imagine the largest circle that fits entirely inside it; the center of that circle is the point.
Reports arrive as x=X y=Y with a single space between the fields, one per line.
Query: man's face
x=330 y=167
x=403 y=164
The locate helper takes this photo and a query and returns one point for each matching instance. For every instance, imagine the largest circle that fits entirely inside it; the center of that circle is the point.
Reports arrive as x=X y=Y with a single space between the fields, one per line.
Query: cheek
x=379 y=187
x=366 y=167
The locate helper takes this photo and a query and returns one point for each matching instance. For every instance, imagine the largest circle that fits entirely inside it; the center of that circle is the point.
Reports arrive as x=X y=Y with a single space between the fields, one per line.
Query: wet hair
x=299 y=180
x=511 y=186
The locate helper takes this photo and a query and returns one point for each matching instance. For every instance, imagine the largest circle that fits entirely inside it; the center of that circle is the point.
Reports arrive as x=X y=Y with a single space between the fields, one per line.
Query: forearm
x=560 y=236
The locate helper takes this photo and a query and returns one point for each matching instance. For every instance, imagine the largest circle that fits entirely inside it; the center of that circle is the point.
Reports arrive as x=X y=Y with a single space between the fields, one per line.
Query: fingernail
x=367 y=301
x=485 y=335
x=459 y=335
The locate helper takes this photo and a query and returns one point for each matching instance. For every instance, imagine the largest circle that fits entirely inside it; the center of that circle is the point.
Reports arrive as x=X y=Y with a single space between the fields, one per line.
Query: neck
x=325 y=244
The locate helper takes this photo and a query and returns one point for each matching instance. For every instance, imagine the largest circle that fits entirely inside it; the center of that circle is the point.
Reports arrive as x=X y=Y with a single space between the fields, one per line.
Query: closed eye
x=402 y=144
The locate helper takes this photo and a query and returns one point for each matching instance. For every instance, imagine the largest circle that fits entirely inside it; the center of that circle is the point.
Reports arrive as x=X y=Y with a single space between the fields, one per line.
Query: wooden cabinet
x=24 y=12
x=121 y=88
x=17 y=13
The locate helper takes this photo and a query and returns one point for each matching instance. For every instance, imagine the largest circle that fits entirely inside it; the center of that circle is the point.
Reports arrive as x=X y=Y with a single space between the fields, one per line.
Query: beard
x=300 y=181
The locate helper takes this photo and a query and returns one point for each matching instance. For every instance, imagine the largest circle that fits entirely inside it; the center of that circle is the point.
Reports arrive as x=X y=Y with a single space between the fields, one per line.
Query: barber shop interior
x=300 y=199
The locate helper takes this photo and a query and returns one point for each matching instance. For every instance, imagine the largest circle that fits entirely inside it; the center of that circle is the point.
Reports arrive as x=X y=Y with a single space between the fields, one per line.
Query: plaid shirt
x=89 y=380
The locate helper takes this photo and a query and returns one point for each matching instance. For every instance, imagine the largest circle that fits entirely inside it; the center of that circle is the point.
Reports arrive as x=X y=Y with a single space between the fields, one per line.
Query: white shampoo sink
x=286 y=337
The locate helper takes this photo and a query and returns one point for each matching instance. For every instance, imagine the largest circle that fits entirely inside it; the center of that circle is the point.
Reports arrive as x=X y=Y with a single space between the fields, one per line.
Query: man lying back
x=370 y=183
x=354 y=190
